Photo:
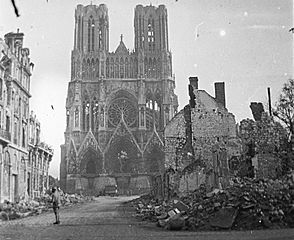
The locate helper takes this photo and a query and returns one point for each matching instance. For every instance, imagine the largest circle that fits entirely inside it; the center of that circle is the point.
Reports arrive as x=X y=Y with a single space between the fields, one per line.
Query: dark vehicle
x=110 y=190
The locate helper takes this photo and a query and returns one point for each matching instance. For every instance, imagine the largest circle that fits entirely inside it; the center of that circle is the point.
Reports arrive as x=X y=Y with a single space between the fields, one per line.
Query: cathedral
x=118 y=103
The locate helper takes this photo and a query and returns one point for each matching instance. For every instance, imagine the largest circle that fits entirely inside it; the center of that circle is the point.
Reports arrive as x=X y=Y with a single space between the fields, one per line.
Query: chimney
x=220 y=95
x=191 y=87
x=194 y=82
x=269 y=101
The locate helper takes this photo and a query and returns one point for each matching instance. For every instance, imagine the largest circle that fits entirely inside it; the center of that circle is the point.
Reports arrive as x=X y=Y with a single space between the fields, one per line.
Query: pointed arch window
x=145 y=66
x=95 y=115
x=132 y=68
x=15 y=131
x=149 y=73
x=136 y=74
x=24 y=136
x=92 y=69
x=89 y=34
x=121 y=68
x=142 y=116
x=97 y=67
x=67 y=118
x=127 y=68
x=79 y=33
x=154 y=70
x=107 y=68
x=111 y=68
x=7 y=127
x=101 y=116
x=102 y=68
x=150 y=34
x=100 y=38
x=93 y=33
x=87 y=116
x=88 y=68
x=116 y=68
x=77 y=117
x=166 y=114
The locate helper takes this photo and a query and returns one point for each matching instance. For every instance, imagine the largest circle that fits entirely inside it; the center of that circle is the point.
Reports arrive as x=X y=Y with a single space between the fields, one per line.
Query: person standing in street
x=56 y=204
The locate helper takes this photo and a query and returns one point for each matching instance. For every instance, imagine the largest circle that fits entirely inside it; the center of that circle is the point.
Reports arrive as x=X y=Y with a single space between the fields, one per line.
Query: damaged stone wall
x=213 y=141
x=263 y=140
x=212 y=124
x=175 y=139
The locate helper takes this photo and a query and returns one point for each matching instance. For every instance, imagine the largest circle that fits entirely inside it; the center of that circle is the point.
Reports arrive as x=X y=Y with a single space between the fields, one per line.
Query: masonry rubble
x=201 y=139
x=246 y=204
x=25 y=208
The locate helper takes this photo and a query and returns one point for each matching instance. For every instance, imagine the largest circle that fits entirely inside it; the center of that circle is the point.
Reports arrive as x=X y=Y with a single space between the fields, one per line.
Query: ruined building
x=203 y=134
x=23 y=163
x=264 y=142
x=118 y=103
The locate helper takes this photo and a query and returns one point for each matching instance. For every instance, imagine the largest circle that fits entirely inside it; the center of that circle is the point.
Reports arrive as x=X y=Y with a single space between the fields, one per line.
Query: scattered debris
x=246 y=204
x=21 y=209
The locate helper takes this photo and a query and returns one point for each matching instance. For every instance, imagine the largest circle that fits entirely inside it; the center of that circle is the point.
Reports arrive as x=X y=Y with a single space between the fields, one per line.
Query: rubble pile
x=245 y=205
x=21 y=209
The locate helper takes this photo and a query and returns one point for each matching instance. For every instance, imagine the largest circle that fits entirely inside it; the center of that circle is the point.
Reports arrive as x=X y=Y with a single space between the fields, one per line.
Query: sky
x=246 y=44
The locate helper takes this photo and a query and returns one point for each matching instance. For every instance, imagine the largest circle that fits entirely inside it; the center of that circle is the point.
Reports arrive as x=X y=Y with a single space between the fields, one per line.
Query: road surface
x=108 y=218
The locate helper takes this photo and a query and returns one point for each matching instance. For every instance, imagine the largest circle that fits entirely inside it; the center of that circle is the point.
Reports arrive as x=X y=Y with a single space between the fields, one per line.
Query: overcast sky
x=246 y=44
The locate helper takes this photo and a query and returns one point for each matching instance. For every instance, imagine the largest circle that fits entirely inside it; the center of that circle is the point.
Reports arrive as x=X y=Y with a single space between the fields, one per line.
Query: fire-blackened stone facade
x=118 y=103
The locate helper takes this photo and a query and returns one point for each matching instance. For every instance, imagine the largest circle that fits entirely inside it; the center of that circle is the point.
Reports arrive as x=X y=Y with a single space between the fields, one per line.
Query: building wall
x=201 y=137
x=15 y=73
x=40 y=156
x=211 y=123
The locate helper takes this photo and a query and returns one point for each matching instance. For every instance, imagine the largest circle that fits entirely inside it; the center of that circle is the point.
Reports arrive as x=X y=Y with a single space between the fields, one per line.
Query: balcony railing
x=5 y=134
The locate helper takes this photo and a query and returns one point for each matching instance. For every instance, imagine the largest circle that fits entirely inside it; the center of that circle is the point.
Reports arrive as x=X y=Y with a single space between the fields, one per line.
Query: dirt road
x=108 y=218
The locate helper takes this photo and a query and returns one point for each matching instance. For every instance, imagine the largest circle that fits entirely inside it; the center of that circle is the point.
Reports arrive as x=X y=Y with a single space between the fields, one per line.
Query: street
x=109 y=218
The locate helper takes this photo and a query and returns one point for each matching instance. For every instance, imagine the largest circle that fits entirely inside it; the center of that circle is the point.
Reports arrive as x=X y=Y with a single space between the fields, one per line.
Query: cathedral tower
x=91 y=41
x=118 y=103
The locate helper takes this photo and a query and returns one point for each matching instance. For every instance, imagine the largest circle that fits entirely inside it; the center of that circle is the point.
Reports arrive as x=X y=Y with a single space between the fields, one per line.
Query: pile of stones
x=21 y=209
x=246 y=204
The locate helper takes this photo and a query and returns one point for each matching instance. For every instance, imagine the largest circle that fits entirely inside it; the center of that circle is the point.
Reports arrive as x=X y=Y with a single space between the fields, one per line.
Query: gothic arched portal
x=91 y=162
x=122 y=156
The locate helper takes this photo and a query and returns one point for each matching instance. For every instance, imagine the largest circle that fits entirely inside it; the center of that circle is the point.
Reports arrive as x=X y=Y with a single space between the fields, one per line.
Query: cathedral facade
x=118 y=103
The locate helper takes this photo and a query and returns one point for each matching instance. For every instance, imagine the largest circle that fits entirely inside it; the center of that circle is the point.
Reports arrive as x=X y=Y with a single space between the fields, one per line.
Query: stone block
x=4 y=216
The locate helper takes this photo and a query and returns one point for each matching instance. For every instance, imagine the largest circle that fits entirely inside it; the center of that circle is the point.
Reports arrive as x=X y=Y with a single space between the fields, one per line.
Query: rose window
x=122 y=107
